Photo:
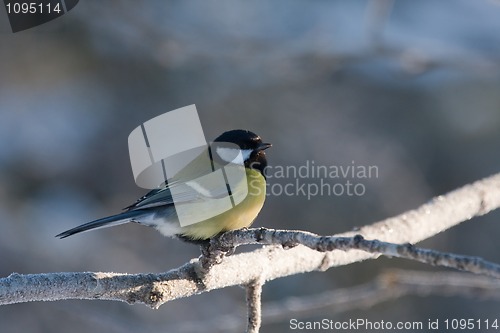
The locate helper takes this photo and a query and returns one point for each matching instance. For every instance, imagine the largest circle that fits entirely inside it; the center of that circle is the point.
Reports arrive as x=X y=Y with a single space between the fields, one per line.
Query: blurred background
x=411 y=87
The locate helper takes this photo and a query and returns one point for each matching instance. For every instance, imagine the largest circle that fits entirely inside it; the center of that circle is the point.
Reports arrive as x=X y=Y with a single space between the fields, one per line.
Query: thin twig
x=291 y=238
x=254 y=295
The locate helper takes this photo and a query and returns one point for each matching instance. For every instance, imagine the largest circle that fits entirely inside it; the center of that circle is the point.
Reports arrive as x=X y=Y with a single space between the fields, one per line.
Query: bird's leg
x=213 y=252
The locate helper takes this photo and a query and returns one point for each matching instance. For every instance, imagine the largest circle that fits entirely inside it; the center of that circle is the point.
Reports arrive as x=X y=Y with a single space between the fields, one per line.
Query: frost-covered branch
x=254 y=306
x=272 y=262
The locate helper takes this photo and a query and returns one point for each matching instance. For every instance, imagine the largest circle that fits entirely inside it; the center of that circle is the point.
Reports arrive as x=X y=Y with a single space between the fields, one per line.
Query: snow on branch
x=272 y=262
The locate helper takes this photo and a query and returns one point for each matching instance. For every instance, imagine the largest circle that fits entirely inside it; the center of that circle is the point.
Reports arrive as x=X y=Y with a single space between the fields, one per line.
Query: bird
x=156 y=209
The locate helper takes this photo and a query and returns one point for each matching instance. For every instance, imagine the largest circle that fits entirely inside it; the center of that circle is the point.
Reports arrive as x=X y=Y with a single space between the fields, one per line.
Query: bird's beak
x=264 y=146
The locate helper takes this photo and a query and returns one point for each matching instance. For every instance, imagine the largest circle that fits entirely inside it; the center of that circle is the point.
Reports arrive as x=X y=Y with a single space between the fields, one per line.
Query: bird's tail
x=105 y=222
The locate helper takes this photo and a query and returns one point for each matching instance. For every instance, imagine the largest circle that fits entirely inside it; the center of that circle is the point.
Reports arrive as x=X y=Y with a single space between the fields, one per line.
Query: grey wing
x=202 y=188
x=160 y=195
x=185 y=192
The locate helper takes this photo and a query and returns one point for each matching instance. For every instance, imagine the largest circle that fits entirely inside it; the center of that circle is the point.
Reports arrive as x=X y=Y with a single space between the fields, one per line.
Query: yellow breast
x=240 y=216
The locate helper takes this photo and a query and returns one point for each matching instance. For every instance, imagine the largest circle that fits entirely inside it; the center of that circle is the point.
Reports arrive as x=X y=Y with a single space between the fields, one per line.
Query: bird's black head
x=251 y=147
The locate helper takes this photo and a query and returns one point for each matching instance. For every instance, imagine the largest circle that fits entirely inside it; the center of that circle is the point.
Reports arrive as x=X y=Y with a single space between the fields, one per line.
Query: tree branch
x=268 y=263
x=290 y=238
x=254 y=295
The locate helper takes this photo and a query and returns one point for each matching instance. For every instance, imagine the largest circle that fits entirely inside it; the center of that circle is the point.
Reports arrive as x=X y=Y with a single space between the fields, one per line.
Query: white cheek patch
x=235 y=156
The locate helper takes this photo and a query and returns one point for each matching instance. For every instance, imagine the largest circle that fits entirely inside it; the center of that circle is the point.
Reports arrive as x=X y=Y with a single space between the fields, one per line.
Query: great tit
x=156 y=209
